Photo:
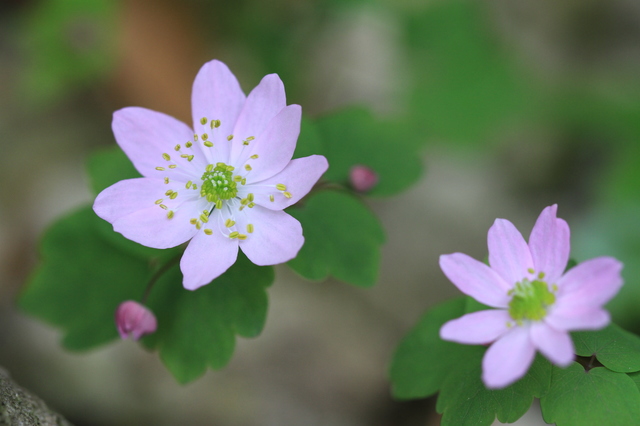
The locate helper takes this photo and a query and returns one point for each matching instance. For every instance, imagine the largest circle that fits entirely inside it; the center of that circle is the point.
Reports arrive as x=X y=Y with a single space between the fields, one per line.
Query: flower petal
x=264 y=102
x=571 y=318
x=475 y=279
x=206 y=258
x=299 y=177
x=144 y=135
x=555 y=345
x=550 y=245
x=509 y=253
x=217 y=95
x=477 y=328
x=276 y=237
x=273 y=147
x=508 y=359
x=591 y=283
x=130 y=207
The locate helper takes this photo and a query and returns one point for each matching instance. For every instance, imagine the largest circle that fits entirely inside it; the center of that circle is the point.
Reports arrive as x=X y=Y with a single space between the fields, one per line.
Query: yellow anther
x=188 y=184
x=205 y=136
x=242 y=237
x=237 y=178
x=219 y=204
x=247 y=167
x=188 y=144
x=229 y=138
x=234 y=234
x=250 y=228
x=205 y=212
x=177 y=147
x=195 y=138
x=541 y=275
x=244 y=201
x=159 y=201
x=209 y=167
x=245 y=142
x=173 y=196
x=229 y=223
x=193 y=221
x=250 y=196
x=250 y=138
x=210 y=197
x=166 y=180
x=281 y=187
x=530 y=270
x=218 y=122
x=243 y=181
x=172 y=166
x=241 y=207
x=169 y=192
x=162 y=206
x=189 y=158
x=221 y=164
x=195 y=186
x=208 y=144
x=272 y=198
x=198 y=225
x=254 y=156
x=230 y=168
x=287 y=194
x=203 y=120
x=160 y=169
x=204 y=218
x=184 y=155
x=251 y=205
x=166 y=156
x=208 y=231
x=170 y=214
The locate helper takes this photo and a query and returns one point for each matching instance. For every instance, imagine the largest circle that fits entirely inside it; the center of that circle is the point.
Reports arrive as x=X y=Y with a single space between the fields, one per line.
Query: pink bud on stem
x=362 y=178
x=134 y=320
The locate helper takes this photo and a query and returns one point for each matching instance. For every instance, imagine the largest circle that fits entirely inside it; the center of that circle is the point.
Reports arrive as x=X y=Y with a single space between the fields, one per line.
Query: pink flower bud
x=362 y=178
x=134 y=320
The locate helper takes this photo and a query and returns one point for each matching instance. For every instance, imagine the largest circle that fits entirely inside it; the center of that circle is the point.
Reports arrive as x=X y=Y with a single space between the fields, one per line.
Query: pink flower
x=134 y=320
x=537 y=303
x=362 y=178
x=221 y=185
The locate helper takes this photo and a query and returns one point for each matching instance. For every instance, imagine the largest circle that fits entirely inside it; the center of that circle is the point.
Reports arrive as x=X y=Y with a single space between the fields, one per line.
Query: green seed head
x=530 y=300
x=218 y=183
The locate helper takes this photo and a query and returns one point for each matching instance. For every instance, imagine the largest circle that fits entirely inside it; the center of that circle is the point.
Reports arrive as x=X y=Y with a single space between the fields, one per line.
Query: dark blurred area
x=520 y=104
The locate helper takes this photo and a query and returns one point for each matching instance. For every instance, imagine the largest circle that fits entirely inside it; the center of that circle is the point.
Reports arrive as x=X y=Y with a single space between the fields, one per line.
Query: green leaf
x=109 y=166
x=84 y=276
x=423 y=360
x=597 y=397
x=464 y=400
x=196 y=329
x=615 y=348
x=354 y=137
x=342 y=239
x=81 y=280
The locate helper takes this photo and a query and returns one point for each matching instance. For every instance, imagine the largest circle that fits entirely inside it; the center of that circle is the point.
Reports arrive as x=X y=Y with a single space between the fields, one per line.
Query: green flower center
x=218 y=183
x=530 y=300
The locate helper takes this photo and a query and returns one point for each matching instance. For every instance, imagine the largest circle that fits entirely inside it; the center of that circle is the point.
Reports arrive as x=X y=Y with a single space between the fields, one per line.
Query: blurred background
x=518 y=104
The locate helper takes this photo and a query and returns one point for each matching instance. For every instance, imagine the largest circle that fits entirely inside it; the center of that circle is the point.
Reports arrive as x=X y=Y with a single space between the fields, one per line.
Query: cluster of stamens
x=531 y=299
x=219 y=185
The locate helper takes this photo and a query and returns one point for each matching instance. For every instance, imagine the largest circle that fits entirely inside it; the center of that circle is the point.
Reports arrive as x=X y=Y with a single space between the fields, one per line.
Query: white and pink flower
x=537 y=304
x=221 y=185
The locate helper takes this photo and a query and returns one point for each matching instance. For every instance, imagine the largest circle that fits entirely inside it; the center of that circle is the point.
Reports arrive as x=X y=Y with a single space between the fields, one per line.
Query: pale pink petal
x=477 y=328
x=567 y=317
x=144 y=135
x=264 y=102
x=273 y=148
x=508 y=359
x=555 y=345
x=130 y=207
x=206 y=258
x=216 y=95
x=475 y=279
x=549 y=244
x=509 y=253
x=591 y=283
x=299 y=177
x=134 y=319
x=276 y=237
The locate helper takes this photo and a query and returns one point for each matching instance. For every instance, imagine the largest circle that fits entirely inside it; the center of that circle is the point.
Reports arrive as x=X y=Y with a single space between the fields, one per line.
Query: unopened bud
x=362 y=178
x=134 y=320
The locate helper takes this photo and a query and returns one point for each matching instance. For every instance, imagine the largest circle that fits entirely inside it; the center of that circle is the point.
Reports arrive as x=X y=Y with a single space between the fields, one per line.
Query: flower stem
x=164 y=268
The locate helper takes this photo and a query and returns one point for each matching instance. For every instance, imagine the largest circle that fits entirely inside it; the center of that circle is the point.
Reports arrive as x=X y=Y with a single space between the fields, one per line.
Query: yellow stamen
x=208 y=144
x=172 y=166
x=205 y=136
x=170 y=214
x=287 y=194
x=229 y=223
x=188 y=184
x=281 y=187
x=173 y=196
x=250 y=228
x=234 y=234
x=203 y=120
x=166 y=156
x=229 y=138
x=177 y=147
x=242 y=237
x=159 y=201
x=193 y=221
x=254 y=156
x=188 y=144
x=272 y=198
x=247 y=167
x=160 y=169
x=208 y=231
x=162 y=206
x=166 y=180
